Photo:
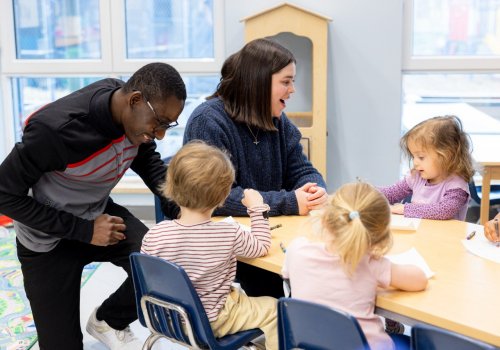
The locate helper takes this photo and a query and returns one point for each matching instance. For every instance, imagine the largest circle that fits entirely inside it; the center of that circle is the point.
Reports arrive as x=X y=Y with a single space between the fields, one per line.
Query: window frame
x=191 y=65
x=113 y=61
x=476 y=64
x=13 y=66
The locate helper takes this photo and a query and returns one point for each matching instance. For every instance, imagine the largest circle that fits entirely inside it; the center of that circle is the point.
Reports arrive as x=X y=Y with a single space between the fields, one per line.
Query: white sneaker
x=112 y=338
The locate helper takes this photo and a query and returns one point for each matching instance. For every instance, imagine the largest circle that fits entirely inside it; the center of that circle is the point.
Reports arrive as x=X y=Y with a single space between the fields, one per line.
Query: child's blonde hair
x=357 y=220
x=447 y=138
x=199 y=176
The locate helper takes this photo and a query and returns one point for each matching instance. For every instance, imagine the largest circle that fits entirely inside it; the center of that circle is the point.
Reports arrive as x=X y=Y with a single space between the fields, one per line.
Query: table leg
x=485 y=196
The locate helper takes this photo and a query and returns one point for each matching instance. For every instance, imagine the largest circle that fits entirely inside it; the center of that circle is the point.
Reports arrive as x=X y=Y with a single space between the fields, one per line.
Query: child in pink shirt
x=344 y=269
x=442 y=169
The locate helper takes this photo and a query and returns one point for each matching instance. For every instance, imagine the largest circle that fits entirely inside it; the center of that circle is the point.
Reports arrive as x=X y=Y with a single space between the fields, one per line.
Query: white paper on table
x=480 y=246
x=399 y=222
x=231 y=219
x=412 y=257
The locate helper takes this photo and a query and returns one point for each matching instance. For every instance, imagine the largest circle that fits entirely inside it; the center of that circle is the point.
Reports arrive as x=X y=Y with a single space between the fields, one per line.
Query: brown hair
x=199 y=176
x=447 y=138
x=357 y=220
x=246 y=80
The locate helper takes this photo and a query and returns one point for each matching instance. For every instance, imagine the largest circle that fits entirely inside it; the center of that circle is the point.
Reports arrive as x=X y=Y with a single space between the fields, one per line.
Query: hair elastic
x=353 y=214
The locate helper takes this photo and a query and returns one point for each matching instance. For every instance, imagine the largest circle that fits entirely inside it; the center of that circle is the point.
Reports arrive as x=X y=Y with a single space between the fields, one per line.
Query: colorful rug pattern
x=17 y=329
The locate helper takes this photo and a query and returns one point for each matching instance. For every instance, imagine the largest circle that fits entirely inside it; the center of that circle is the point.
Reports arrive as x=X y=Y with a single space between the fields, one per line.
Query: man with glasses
x=56 y=182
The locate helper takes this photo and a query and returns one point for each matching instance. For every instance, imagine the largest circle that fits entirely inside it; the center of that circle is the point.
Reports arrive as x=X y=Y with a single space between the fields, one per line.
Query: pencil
x=282 y=246
x=497 y=232
x=470 y=235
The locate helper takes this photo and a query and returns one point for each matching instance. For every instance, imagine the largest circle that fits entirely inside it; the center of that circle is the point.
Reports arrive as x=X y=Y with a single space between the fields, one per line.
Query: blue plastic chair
x=475 y=193
x=473 y=215
x=312 y=326
x=426 y=337
x=159 y=216
x=168 y=305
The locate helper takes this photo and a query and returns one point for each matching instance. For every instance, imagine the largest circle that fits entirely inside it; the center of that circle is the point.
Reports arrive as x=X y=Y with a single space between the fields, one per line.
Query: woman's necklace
x=256 y=141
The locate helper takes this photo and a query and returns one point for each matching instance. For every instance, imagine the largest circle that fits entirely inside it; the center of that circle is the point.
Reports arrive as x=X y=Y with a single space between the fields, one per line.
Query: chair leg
x=254 y=346
x=148 y=344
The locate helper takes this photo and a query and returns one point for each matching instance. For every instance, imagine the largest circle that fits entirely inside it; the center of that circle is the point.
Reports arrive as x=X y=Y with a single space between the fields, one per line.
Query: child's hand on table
x=490 y=231
x=398 y=208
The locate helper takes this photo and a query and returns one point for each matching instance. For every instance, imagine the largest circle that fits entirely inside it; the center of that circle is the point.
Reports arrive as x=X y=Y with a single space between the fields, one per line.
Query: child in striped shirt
x=199 y=178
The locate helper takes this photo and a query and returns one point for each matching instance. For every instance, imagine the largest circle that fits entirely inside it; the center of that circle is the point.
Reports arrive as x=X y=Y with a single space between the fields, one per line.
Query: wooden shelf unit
x=288 y=18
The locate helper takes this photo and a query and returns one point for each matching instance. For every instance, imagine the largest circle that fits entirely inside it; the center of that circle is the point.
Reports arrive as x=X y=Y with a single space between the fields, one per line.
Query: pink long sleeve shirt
x=446 y=200
x=318 y=276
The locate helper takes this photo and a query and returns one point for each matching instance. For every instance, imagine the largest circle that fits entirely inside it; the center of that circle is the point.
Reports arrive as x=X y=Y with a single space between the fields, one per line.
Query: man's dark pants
x=52 y=284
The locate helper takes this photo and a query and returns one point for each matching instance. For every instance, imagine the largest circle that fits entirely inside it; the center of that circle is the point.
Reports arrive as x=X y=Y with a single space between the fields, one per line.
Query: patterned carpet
x=17 y=330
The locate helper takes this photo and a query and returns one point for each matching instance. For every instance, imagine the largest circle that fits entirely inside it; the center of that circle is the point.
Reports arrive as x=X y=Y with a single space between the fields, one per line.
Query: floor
x=103 y=282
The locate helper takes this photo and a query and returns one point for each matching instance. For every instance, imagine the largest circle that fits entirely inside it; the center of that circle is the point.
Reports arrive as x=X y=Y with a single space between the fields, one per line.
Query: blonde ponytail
x=357 y=222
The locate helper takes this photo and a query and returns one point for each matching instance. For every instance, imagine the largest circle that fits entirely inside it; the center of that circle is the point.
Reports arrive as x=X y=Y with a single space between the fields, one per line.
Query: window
x=455 y=28
x=177 y=29
x=452 y=35
x=57 y=30
x=451 y=65
x=31 y=93
x=53 y=47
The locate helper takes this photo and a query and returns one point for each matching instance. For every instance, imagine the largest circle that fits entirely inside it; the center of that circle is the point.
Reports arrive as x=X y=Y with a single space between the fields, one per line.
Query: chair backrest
x=426 y=337
x=307 y=325
x=158 y=281
x=475 y=193
x=159 y=215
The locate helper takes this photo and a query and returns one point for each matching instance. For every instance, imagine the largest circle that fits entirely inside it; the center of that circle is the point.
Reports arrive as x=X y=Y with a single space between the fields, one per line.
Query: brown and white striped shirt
x=207 y=252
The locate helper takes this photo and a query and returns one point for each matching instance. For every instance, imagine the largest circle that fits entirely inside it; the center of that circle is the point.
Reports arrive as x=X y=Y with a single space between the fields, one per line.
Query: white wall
x=364 y=84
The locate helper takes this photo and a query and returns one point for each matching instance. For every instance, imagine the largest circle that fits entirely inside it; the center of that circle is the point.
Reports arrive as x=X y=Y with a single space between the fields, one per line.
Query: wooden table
x=463 y=296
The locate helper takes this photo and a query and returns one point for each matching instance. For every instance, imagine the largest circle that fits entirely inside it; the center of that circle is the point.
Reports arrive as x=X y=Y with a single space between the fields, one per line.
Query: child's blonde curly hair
x=199 y=176
x=447 y=138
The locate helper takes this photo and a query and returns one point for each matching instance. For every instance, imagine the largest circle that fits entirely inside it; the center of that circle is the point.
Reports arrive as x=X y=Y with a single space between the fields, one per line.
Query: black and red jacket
x=71 y=156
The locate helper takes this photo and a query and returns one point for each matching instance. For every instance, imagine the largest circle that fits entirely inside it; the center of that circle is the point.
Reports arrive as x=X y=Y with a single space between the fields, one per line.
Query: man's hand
x=108 y=230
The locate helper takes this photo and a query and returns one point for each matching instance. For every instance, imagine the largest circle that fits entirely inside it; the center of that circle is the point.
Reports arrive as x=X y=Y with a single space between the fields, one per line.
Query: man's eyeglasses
x=162 y=126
